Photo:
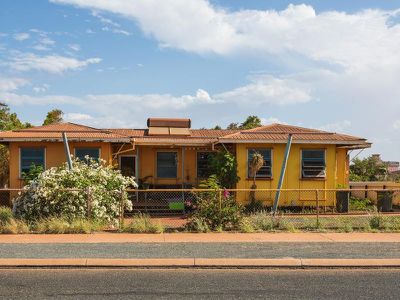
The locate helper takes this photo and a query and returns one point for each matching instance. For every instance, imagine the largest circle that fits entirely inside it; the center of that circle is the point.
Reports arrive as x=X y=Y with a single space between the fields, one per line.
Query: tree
x=233 y=126
x=8 y=121
x=251 y=122
x=217 y=127
x=53 y=116
x=368 y=169
x=224 y=166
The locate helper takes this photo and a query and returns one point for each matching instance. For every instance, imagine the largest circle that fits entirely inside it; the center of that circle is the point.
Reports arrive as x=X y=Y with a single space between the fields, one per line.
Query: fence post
x=220 y=199
x=89 y=202
x=317 y=200
x=121 y=208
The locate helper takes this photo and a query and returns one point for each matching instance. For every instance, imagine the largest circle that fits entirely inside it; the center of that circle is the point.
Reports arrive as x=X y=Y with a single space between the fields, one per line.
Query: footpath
x=201 y=250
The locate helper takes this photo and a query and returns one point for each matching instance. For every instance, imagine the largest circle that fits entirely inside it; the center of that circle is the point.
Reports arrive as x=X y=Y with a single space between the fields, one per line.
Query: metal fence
x=298 y=208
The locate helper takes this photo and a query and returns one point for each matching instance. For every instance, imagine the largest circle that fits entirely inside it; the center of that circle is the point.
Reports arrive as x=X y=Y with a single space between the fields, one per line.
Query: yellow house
x=169 y=154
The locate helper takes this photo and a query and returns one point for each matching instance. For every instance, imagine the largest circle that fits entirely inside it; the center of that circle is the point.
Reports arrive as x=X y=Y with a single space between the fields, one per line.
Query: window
x=93 y=153
x=266 y=169
x=127 y=165
x=31 y=156
x=313 y=164
x=203 y=167
x=167 y=164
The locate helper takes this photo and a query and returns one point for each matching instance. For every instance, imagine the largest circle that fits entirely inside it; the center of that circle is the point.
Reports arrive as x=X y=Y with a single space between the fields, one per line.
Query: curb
x=198 y=263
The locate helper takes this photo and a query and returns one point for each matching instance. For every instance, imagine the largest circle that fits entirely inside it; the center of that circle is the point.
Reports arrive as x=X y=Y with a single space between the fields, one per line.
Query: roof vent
x=166 y=126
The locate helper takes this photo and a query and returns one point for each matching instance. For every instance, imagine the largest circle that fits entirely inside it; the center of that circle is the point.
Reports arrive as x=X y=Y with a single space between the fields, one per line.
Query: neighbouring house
x=169 y=154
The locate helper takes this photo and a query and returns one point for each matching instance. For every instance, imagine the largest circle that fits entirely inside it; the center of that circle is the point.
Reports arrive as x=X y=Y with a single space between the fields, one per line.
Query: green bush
x=142 y=223
x=216 y=209
x=48 y=197
x=360 y=204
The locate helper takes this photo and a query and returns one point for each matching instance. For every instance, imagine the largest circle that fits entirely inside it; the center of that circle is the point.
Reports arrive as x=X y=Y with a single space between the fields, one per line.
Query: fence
x=366 y=189
x=298 y=208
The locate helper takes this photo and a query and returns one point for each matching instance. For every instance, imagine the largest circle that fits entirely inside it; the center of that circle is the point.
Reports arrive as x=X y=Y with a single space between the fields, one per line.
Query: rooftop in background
x=177 y=131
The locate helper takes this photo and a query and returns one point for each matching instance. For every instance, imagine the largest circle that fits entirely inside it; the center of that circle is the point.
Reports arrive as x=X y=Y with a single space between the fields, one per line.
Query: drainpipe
x=67 y=152
x=281 y=178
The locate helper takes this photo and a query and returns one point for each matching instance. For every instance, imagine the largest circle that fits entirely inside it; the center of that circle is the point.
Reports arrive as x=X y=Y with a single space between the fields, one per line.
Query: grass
x=142 y=223
x=6 y=215
x=60 y=226
x=375 y=222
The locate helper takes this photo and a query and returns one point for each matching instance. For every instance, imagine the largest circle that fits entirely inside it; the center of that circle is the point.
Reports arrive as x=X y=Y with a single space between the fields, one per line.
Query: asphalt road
x=202 y=250
x=199 y=284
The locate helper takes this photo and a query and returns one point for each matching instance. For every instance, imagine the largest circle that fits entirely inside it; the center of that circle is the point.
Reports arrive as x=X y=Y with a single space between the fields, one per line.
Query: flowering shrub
x=60 y=192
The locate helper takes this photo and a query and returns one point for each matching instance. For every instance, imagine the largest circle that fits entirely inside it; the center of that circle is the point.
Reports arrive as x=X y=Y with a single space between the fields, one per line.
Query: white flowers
x=61 y=192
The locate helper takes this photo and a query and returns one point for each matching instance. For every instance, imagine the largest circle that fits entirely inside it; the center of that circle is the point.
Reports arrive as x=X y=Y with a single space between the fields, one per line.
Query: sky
x=330 y=65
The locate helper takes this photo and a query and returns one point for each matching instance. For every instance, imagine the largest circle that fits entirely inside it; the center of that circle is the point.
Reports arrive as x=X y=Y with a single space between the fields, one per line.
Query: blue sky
x=332 y=65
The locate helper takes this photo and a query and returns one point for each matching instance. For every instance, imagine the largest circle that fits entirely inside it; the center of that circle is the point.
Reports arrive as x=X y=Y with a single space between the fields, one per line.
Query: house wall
x=148 y=165
x=336 y=173
x=54 y=155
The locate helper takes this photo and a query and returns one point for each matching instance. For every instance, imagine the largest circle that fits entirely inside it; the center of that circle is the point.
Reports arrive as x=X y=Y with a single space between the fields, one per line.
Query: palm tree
x=256 y=163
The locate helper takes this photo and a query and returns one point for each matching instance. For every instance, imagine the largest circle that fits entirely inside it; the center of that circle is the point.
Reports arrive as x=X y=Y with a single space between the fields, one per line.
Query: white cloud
x=266 y=89
x=74 y=117
x=47 y=41
x=51 y=63
x=271 y=120
x=18 y=99
x=340 y=126
x=41 y=88
x=396 y=124
x=111 y=26
x=11 y=84
x=74 y=47
x=333 y=37
x=21 y=36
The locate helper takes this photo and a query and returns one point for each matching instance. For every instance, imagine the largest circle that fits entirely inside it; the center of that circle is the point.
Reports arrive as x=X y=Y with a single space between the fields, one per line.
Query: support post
x=137 y=158
x=282 y=177
x=183 y=173
x=317 y=200
x=89 y=202
x=67 y=152
x=121 y=209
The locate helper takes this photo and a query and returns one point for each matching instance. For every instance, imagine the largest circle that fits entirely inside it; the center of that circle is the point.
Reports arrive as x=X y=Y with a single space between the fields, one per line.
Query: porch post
x=183 y=172
x=137 y=171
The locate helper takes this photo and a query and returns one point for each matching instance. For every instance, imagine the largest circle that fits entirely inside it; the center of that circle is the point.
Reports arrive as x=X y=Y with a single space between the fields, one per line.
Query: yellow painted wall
x=55 y=156
x=335 y=174
x=148 y=159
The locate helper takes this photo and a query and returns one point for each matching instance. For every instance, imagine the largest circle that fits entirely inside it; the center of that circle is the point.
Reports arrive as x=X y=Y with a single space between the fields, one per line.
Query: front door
x=127 y=165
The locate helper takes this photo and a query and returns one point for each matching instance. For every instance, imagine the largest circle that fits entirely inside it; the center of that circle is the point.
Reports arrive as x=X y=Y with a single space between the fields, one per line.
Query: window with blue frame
x=266 y=169
x=31 y=157
x=167 y=164
x=81 y=153
x=313 y=163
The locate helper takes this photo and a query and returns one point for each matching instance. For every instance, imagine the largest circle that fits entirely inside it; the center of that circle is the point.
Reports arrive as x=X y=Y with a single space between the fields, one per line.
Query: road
x=199 y=284
x=202 y=250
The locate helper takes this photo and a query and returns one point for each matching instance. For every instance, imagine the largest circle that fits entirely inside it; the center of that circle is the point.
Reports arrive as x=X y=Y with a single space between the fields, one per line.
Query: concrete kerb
x=228 y=263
